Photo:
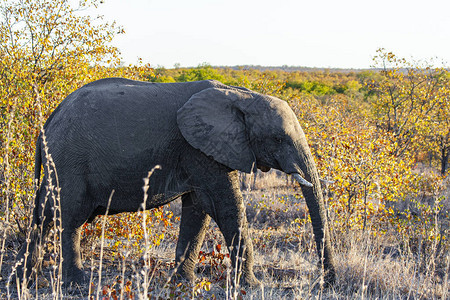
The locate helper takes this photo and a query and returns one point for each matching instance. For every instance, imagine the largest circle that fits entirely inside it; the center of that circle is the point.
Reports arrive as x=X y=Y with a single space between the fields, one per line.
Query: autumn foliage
x=381 y=137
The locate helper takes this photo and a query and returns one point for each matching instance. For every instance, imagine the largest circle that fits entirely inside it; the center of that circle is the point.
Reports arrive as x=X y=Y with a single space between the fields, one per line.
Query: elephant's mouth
x=263 y=168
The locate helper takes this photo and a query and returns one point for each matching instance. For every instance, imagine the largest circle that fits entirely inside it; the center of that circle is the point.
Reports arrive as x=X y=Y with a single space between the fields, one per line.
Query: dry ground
x=368 y=266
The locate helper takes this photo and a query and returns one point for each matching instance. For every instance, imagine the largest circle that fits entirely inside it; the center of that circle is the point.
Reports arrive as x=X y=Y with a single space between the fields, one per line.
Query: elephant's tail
x=37 y=177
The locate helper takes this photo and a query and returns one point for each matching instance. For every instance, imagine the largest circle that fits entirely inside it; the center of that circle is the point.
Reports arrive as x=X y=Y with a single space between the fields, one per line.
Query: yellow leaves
x=410 y=103
x=129 y=227
x=360 y=159
x=47 y=45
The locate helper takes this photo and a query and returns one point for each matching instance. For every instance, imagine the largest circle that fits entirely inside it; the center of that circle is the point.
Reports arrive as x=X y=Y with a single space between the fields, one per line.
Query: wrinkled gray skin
x=108 y=134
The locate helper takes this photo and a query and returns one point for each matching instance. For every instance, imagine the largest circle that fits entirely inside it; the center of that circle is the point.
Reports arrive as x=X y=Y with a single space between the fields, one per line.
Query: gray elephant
x=108 y=134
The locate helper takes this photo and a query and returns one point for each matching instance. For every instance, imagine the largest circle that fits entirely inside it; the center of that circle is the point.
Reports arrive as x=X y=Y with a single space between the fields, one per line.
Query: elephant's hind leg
x=194 y=223
x=70 y=246
x=76 y=210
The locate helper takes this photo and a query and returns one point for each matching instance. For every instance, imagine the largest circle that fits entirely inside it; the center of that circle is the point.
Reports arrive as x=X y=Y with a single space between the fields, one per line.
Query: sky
x=308 y=33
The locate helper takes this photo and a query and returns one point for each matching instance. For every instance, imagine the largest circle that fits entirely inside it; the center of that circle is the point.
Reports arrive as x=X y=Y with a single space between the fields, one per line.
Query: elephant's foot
x=329 y=278
x=186 y=275
x=245 y=279
x=18 y=279
x=250 y=280
x=74 y=279
x=329 y=274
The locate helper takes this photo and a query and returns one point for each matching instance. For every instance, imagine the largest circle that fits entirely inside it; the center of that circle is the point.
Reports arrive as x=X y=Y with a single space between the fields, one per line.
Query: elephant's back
x=107 y=101
x=110 y=104
x=119 y=121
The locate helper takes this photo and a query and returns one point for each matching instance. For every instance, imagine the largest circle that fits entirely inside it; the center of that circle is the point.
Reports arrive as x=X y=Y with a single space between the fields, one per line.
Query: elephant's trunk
x=299 y=160
x=312 y=192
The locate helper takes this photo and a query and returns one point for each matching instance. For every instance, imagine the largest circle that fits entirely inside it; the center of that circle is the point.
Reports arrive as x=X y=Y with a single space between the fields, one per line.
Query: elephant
x=108 y=134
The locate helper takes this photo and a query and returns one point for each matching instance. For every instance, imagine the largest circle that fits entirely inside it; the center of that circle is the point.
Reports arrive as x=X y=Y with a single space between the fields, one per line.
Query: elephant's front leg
x=225 y=204
x=194 y=223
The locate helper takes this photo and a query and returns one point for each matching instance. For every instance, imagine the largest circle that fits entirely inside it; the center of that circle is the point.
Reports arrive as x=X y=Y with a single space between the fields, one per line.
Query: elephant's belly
x=127 y=190
x=130 y=203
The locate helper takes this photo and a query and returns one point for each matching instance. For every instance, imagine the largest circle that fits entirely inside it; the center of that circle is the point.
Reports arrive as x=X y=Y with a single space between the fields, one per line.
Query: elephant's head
x=244 y=130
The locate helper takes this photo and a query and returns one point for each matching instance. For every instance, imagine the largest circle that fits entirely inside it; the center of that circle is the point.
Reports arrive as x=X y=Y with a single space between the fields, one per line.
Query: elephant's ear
x=212 y=122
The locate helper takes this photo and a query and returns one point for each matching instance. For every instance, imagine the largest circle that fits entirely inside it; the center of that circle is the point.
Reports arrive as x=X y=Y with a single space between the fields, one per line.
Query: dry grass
x=369 y=265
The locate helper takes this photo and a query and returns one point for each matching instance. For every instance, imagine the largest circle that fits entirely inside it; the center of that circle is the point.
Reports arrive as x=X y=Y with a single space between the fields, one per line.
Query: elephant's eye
x=278 y=140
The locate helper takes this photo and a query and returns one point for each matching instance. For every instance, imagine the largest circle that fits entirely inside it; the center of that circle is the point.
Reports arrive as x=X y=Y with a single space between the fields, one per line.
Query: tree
x=202 y=72
x=359 y=160
x=412 y=103
x=437 y=128
x=47 y=49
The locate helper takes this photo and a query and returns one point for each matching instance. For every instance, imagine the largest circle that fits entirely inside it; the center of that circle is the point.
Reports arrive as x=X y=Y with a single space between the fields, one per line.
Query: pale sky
x=311 y=33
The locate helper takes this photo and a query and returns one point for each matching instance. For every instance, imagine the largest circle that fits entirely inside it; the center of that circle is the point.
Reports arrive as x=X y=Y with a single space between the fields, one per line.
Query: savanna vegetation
x=381 y=137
